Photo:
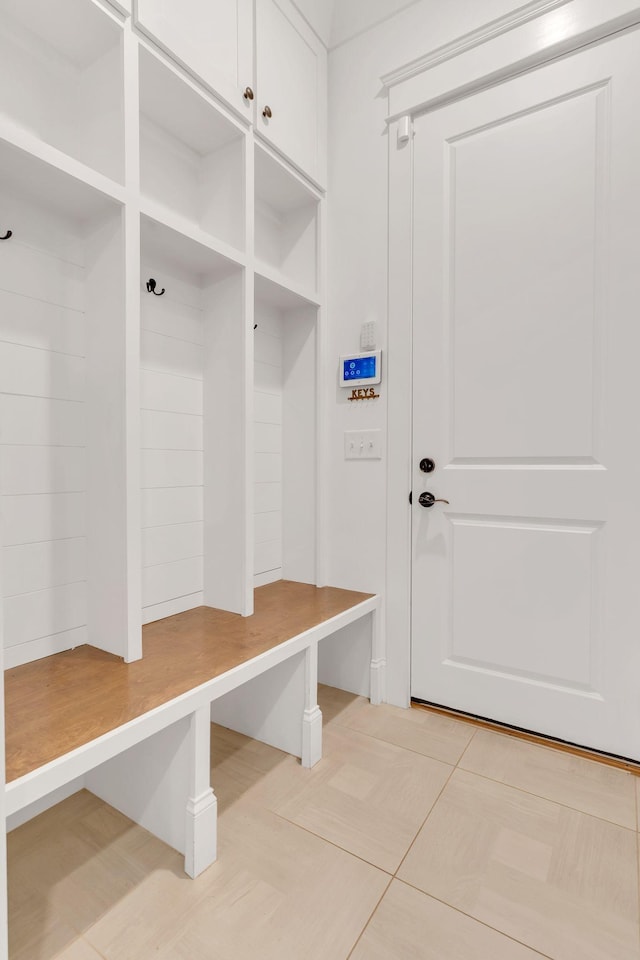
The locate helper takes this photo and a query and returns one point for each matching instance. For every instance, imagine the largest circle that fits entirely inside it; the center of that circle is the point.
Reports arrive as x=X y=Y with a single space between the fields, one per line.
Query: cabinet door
x=212 y=39
x=291 y=82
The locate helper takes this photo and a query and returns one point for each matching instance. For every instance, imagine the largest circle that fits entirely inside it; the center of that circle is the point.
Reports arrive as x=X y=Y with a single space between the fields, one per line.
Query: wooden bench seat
x=138 y=733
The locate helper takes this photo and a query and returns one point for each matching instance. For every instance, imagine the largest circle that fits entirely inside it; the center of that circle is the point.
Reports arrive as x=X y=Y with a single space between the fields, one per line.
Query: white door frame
x=542 y=31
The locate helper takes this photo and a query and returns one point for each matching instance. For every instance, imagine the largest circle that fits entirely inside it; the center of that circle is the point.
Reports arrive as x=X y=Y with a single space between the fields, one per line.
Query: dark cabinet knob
x=248 y=93
x=427 y=465
x=266 y=113
x=427 y=499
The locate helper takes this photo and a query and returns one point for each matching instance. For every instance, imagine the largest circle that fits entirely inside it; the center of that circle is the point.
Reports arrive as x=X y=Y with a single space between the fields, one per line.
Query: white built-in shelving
x=158 y=448
x=158 y=452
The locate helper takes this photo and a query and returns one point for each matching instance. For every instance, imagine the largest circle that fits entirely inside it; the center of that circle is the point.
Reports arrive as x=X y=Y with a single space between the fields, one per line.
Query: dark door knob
x=427 y=499
x=427 y=465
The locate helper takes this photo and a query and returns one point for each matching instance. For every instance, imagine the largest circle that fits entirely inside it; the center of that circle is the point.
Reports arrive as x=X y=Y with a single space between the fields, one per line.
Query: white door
x=291 y=85
x=526 y=586
x=213 y=39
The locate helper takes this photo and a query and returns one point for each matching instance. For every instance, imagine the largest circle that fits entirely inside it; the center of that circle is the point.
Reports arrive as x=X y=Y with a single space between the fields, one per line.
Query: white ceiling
x=338 y=20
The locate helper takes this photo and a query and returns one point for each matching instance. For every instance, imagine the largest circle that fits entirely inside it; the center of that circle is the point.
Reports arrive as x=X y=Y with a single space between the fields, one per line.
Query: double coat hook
x=151 y=287
x=8 y=234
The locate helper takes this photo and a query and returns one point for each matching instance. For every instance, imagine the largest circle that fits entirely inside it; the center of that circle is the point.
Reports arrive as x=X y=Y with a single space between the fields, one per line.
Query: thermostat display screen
x=360 y=368
x=364 y=368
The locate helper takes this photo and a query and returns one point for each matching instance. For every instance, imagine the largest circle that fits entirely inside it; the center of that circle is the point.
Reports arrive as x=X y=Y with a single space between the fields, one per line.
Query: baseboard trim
x=609 y=759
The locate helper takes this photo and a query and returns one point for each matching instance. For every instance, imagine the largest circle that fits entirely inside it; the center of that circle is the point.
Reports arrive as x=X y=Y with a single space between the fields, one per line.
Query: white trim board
x=488 y=31
x=502 y=50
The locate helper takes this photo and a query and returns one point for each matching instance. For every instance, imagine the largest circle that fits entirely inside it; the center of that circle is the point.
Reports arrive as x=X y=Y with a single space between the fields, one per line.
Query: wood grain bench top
x=62 y=702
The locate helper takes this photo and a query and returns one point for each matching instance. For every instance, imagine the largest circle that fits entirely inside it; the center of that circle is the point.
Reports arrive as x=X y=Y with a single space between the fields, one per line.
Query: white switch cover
x=362 y=445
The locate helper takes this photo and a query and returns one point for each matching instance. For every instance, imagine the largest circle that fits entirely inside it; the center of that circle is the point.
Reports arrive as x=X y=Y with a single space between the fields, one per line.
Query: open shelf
x=191 y=155
x=192 y=391
x=286 y=224
x=61 y=413
x=284 y=435
x=61 y=75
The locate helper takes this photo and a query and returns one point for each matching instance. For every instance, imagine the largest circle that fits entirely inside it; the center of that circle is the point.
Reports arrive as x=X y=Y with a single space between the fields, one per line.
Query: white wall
x=357 y=267
x=336 y=21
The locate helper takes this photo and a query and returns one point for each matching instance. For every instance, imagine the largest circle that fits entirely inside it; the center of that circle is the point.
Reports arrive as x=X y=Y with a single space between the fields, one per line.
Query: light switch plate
x=362 y=445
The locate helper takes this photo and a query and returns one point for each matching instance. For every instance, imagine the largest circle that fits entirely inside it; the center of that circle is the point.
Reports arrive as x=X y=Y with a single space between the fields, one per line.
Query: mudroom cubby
x=61 y=76
x=193 y=402
x=192 y=163
x=284 y=434
x=62 y=463
x=286 y=225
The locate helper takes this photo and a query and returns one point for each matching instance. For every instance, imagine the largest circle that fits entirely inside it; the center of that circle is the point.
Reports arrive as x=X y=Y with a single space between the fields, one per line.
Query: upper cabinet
x=212 y=39
x=291 y=86
x=286 y=97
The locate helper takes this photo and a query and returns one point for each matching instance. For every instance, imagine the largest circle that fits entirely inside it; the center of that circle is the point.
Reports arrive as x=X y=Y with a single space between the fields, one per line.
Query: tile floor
x=417 y=837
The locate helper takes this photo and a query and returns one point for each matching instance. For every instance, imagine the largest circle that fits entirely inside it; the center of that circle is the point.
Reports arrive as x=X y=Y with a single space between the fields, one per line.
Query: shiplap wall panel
x=36 y=323
x=169 y=317
x=163 y=392
x=42 y=275
x=166 y=354
x=175 y=542
x=180 y=578
x=45 y=646
x=171 y=431
x=267 y=497
x=52 y=516
x=267 y=378
x=268 y=388
x=42 y=469
x=30 y=616
x=161 y=507
x=33 y=372
x=172 y=440
x=269 y=467
x=29 y=567
x=268 y=438
x=172 y=468
x=36 y=420
x=43 y=436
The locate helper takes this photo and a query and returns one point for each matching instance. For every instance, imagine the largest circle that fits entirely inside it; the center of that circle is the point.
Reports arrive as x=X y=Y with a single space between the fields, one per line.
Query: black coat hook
x=151 y=287
x=8 y=234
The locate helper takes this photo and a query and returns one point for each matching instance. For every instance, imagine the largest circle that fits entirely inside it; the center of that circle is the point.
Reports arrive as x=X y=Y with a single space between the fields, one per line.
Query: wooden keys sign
x=363 y=393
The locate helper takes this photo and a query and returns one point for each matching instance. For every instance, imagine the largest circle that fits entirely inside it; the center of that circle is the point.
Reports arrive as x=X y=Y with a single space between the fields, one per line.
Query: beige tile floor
x=417 y=837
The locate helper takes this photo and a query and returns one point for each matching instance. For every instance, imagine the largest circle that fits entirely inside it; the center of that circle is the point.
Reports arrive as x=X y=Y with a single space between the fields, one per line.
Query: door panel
x=526 y=210
x=522 y=282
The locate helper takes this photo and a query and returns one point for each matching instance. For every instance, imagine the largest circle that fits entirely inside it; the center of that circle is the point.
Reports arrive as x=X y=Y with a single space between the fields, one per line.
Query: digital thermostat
x=360 y=369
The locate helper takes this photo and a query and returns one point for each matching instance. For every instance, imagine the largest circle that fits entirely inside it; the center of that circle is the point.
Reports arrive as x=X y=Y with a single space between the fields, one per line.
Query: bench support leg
x=312 y=718
x=202 y=806
x=378 y=673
